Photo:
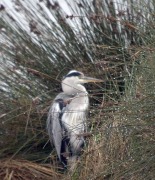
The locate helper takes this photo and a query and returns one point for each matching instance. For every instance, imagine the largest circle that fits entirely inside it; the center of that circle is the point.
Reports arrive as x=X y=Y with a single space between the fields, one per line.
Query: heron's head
x=73 y=82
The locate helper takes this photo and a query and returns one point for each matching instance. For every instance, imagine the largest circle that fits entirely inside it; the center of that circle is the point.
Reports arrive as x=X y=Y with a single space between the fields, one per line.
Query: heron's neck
x=81 y=89
x=74 y=89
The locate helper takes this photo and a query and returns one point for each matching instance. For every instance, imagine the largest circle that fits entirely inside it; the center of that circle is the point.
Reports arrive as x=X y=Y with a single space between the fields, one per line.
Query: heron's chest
x=75 y=113
x=79 y=103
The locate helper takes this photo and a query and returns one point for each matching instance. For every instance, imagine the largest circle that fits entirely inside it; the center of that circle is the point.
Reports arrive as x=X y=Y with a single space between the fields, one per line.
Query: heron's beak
x=89 y=79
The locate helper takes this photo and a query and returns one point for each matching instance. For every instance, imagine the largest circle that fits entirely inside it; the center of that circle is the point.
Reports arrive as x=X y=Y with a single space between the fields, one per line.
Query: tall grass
x=115 y=45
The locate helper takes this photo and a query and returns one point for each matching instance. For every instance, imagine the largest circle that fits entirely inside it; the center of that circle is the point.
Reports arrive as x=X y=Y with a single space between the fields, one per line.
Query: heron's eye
x=80 y=76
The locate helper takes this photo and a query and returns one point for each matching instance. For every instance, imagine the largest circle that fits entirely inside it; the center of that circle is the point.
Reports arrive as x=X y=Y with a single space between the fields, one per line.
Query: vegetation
x=101 y=39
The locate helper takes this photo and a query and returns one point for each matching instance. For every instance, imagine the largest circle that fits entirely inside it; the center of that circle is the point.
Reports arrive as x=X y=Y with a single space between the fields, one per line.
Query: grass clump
x=100 y=41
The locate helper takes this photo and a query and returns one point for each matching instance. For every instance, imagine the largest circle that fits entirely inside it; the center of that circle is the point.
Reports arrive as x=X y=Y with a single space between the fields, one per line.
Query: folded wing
x=54 y=126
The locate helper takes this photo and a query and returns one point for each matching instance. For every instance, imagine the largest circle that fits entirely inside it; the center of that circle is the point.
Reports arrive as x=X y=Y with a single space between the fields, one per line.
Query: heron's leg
x=76 y=144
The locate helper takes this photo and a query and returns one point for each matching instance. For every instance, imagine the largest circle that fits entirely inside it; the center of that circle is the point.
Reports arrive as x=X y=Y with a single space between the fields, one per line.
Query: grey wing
x=54 y=126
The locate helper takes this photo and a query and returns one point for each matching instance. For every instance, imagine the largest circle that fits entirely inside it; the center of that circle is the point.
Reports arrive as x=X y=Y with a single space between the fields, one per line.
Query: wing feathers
x=54 y=125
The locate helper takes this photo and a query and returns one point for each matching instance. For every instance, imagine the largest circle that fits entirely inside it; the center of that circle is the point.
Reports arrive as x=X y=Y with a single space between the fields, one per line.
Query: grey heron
x=66 y=120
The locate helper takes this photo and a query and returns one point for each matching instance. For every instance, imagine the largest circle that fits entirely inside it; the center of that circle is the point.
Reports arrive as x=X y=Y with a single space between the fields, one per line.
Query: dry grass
x=26 y=170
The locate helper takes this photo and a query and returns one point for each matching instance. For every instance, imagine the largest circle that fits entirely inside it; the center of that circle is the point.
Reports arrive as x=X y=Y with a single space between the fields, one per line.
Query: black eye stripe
x=73 y=74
